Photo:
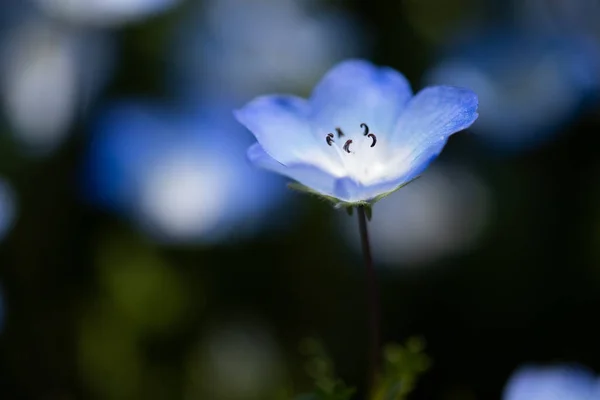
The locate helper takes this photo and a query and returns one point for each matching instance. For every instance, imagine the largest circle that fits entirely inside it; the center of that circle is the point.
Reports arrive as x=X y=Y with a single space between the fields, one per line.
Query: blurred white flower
x=183 y=194
x=441 y=214
x=103 y=12
x=180 y=174
x=54 y=61
x=48 y=75
x=246 y=47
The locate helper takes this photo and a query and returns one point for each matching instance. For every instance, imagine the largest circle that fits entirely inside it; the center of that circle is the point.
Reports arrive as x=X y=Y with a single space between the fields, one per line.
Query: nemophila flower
x=561 y=382
x=179 y=174
x=360 y=135
x=542 y=82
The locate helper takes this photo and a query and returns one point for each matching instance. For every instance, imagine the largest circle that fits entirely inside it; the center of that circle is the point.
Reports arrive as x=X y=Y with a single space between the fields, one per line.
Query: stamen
x=372 y=136
x=366 y=128
x=347 y=146
x=329 y=138
x=339 y=132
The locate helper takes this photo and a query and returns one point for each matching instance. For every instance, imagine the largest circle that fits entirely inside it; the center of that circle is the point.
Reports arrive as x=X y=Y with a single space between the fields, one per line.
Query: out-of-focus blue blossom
x=442 y=214
x=561 y=382
x=529 y=86
x=383 y=138
x=181 y=173
x=104 y=12
x=578 y=17
x=8 y=208
x=246 y=47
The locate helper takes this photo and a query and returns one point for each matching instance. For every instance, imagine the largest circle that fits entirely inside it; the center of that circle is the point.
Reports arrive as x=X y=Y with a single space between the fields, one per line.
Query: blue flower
x=361 y=134
x=8 y=208
x=530 y=85
x=179 y=174
x=552 y=383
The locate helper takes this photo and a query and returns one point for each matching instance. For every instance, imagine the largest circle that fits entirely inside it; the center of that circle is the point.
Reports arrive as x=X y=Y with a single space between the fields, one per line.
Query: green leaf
x=320 y=367
x=402 y=367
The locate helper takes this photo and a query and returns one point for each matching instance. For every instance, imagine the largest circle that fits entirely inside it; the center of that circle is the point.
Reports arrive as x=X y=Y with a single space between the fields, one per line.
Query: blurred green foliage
x=402 y=366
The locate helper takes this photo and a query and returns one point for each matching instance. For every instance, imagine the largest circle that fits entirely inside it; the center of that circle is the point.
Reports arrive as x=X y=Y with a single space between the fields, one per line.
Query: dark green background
x=96 y=311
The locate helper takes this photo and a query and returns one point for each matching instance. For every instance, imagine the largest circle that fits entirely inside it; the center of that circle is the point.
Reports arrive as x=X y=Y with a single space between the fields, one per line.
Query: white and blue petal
x=281 y=126
x=306 y=174
x=429 y=119
x=356 y=92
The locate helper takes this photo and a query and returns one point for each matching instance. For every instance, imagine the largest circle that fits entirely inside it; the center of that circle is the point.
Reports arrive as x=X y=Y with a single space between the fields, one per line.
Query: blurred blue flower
x=529 y=86
x=561 y=17
x=384 y=137
x=8 y=208
x=246 y=47
x=560 y=382
x=180 y=173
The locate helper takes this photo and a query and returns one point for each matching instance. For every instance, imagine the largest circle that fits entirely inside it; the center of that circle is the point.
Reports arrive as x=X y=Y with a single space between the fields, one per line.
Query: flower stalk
x=374 y=317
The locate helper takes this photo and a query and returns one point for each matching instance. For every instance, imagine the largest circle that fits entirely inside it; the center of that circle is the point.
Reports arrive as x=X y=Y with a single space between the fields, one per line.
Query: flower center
x=358 y=158
x=366 y=133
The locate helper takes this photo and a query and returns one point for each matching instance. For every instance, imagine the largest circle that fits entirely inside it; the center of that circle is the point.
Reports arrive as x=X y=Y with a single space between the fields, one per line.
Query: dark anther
x=366 y=128
x=372 y=136
x=347 y=146
x=329 y=138
x=339 y=132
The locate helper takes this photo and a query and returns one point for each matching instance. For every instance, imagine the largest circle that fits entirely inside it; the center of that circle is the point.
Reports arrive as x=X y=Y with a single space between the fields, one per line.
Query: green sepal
x=305 y=189
x=369 y=211
x=350 y=210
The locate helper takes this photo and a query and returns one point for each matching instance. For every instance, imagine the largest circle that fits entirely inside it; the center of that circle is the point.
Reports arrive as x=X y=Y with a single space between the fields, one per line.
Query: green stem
x=373 y=302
